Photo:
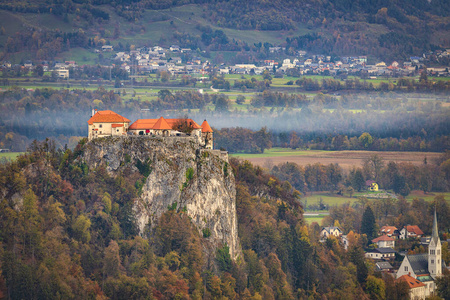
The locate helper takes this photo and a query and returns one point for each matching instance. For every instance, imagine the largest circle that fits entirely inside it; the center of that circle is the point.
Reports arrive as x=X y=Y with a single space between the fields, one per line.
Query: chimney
x=92 y=114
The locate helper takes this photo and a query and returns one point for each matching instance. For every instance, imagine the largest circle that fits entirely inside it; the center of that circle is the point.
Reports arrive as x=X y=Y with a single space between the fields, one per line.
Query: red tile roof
x=414 y=229
x=411 y=281
x=161 y=124
x=382 y=238
x=150 y=123
x=107 y=116
x=116 y=125
x=143 y=124
x=388 y=229
x=206 y=127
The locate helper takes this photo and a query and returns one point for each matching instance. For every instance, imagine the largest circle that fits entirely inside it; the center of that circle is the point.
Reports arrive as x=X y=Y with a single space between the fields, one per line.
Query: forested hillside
x=67 y=231
x=383 y=29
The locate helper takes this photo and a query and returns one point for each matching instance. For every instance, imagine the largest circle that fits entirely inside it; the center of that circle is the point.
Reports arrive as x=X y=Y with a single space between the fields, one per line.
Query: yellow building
x=372 y=185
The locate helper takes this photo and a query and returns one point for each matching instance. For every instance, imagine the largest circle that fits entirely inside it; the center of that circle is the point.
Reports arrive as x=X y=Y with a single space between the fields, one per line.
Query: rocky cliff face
x=180 y=176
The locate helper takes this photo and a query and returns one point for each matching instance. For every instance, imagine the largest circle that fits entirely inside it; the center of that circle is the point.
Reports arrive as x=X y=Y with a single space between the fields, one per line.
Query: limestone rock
x=182 y=176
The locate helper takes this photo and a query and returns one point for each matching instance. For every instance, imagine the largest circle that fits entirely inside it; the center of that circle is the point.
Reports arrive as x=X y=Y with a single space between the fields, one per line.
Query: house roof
x=116 y=125
x=388 y=229
x=384 y=250
x=382 y=238
x=107 y=116
x=411 y=281
x=424 y=278
x=206 y=127
x=414 y=229
x=162 y=124
x=419 y=263
x=383 y=265
x=369 y=182
x=329 y=228
x=150 y=123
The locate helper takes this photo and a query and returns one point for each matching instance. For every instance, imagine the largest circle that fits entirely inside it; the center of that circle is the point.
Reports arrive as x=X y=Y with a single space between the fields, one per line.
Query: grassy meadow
x=9 y=155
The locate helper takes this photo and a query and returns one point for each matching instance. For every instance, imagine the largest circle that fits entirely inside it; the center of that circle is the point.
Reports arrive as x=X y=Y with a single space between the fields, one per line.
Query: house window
x=406 y=269
x=117 y=130
x=101 y=125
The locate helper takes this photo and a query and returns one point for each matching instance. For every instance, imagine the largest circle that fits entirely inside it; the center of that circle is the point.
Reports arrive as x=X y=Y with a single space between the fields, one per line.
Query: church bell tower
x=434 y=251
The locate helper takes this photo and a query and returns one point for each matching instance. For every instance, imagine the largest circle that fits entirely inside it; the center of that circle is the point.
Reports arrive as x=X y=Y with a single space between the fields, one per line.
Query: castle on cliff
x=108 y=123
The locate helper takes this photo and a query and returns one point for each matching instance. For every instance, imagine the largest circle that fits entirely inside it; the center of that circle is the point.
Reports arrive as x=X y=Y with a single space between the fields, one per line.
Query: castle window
x=438 y=252
x=432 y=261
x=432 y=252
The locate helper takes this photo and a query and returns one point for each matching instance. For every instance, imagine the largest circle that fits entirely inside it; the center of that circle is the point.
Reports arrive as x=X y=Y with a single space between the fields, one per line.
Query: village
x=419 y=271
x=180 y=61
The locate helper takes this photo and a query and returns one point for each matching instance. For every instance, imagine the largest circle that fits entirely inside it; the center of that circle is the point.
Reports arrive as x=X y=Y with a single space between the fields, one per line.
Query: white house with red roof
x=410 y=231
x=390 y=231
x=417 y=289
x=384 y=241
x=106 y=123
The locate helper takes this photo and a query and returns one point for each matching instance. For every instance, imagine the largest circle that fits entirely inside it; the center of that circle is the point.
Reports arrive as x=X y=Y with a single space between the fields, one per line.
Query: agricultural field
x=314 y=217
x=315 y=198
x=9 y=155
x=346 y=159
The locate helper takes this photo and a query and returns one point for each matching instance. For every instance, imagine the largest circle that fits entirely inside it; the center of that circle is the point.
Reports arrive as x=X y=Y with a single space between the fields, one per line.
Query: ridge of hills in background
x=72 y=29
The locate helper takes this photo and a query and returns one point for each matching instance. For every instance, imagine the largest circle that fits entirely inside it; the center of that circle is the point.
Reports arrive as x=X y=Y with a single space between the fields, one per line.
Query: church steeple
x=434 y=233
x=434 y=251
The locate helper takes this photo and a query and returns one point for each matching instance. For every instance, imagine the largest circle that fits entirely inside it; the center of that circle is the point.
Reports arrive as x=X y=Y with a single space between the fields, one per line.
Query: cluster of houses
x=419 y=271
x=177 y=60
x=108 y=123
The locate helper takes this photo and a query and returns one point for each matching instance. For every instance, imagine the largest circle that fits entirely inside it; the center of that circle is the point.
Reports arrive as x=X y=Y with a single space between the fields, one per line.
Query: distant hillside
x=383 y=29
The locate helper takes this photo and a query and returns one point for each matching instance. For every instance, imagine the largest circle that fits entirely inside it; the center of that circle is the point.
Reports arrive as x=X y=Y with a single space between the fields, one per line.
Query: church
x=424 y=268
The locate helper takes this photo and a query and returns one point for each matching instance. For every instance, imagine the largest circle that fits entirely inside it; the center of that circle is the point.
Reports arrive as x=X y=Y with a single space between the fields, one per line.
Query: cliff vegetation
x=69 y=230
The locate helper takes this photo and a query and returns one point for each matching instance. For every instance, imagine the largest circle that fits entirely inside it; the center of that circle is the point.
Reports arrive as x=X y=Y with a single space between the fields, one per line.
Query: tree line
x=400 y=178
x=325 y=122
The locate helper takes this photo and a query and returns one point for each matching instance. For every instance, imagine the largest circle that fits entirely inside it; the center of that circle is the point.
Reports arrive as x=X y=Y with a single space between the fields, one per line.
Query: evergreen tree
x=368 y=223
x=357 y=180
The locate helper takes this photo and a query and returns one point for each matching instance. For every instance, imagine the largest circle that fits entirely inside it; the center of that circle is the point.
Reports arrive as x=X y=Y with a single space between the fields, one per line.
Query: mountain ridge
x=382 y=29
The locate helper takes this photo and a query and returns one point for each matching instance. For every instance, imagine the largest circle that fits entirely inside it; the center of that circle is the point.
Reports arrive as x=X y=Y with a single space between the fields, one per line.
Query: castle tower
x=207 y=135
x=434 y=251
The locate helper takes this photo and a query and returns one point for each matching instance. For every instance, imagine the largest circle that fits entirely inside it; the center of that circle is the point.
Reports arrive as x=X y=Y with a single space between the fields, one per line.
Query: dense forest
x=68 y=232
x=384 y=29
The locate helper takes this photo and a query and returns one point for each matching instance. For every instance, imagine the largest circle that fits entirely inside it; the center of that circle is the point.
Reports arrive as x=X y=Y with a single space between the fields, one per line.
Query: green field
x=311 y=219
x=9 y=155
x=427 y=197
x=330 y=200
